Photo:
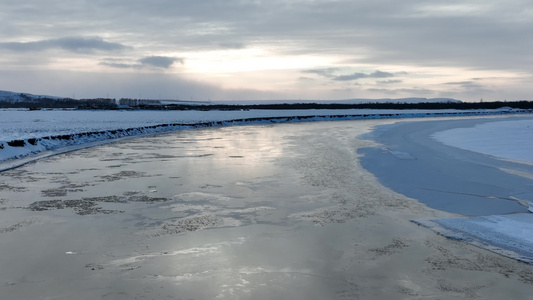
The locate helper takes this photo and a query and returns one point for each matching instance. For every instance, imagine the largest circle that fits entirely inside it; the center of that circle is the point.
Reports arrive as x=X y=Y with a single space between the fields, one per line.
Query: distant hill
x=22 y=97
x=35 y=102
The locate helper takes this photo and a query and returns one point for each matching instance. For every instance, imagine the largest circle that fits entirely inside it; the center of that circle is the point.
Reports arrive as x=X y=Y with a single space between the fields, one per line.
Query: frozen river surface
x=131 y=218
x=254 y=212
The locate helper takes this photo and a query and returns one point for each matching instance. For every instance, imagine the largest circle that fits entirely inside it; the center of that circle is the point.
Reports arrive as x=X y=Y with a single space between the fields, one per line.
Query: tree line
x=125 y=103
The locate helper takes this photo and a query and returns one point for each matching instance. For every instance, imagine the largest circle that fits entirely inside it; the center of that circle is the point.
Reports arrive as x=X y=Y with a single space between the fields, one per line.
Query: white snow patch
x=511 y=140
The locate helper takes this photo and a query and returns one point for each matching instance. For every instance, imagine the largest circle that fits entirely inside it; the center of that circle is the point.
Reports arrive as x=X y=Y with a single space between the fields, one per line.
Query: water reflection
x=216 y=213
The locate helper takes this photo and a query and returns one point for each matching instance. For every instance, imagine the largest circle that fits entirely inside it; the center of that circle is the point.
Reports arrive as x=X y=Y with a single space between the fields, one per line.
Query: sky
x=271 y=49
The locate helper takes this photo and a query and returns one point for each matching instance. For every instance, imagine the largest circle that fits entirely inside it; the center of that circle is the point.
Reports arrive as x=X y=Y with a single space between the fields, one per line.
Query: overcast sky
x=268 y=49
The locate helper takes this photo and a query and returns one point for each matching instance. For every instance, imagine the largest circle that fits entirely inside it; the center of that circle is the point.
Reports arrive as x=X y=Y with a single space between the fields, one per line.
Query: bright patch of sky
x=273 y=49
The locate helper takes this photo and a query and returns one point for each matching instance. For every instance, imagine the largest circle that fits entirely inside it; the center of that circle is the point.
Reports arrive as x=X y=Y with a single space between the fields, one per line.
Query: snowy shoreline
x=23 y=140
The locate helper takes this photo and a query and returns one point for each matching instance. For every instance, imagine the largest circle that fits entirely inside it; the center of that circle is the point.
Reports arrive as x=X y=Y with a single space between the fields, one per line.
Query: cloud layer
x=158 y=62
x=344 y=48
x=73 y=44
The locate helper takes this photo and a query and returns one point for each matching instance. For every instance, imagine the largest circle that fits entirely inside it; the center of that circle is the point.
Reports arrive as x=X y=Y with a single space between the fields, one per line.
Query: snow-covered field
x=23 y=124
x=24 y=133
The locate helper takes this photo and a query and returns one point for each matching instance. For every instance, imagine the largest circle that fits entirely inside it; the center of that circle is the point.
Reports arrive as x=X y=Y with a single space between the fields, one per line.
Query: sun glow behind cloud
x=223 y=62
x=254 y=68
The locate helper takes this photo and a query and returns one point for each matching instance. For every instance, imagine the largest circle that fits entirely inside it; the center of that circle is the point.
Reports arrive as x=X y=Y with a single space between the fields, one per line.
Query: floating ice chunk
x=401 y=155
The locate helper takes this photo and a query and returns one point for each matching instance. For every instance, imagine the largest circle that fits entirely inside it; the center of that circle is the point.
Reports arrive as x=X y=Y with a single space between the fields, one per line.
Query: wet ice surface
x=235 y=212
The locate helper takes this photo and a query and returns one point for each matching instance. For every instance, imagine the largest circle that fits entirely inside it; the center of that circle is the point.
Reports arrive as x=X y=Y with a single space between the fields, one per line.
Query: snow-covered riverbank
x=24 y=133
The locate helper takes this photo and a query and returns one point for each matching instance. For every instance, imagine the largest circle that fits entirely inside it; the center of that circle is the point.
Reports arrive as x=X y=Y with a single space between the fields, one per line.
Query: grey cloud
x=326 y=72
x=418 y=91
x=73 y=44
x=356 y=76
x=331 y=73
x=466 y=84
x=380 y=74
x=391 y=81
x=160 y=62
x=353 y=76
x=120 y=65
x=232 y=45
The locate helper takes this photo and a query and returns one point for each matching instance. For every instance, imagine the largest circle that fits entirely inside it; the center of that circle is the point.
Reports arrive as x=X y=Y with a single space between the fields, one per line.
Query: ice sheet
x=507 y=234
